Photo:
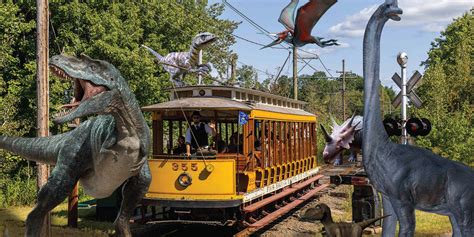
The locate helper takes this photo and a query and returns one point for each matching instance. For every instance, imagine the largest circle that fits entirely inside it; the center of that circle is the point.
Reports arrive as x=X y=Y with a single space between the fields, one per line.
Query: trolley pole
x=295 y=72
x=402 y=59
x=42 y=92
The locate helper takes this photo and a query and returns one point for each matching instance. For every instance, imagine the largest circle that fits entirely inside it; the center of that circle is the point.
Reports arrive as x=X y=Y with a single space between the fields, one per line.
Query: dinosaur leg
x=466 y=222
x=455 y=226
x=338 y=160
x=58 y=187
x=390 y=222
x=329 y=43
x=132 y=193
x=406 y=217
x=353 y=156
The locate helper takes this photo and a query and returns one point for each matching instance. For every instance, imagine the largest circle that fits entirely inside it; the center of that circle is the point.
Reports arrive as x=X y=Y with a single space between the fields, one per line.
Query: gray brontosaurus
x=408 y=177
x=178 y=64
x=101 y=153
x=348 y=135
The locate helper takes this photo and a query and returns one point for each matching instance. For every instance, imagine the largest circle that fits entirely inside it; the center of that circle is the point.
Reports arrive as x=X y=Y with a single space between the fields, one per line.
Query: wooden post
x=42 y=92
x=343 y=89
x=295 y=73
x=73 y=199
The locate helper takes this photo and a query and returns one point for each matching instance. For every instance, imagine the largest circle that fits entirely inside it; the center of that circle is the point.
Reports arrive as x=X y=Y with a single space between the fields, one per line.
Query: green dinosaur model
x=322 y=213
x=102 y=152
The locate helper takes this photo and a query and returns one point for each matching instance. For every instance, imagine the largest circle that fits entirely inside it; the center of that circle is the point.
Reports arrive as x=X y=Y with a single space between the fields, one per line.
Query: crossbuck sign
x=415 y=78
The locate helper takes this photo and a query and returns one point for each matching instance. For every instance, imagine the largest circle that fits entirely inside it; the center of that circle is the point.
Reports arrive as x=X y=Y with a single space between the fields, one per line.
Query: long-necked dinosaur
x=408 y=177
x=178 y=64
x=348 y=135
x=322 y=213
x=102 y=152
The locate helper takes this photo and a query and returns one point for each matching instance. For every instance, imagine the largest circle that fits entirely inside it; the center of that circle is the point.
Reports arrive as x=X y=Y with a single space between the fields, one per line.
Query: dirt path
x=292 y=226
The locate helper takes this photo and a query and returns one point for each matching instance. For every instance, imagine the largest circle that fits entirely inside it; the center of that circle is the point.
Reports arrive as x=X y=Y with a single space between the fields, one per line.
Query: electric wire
x=267 y=33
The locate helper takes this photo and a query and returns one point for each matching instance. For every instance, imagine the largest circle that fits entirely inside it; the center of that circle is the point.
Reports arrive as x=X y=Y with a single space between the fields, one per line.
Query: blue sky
x=421 y=23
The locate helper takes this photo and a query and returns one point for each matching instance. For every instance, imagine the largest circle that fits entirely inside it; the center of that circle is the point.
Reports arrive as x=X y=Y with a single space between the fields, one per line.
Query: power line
x=256 y=43
x=281 y=69
x=267 y=33
x=268 y=74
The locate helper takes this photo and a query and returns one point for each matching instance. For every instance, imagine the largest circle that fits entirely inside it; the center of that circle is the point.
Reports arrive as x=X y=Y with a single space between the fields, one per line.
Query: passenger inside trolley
x=197 y=134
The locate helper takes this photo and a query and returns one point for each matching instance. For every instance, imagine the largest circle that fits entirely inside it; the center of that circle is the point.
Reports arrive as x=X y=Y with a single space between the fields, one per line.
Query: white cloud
x=429 y=15
x=354 y=25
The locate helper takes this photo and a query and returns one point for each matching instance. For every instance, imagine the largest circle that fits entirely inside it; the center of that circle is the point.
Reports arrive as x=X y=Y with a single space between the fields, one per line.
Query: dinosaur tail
x=366 y=223
x=157 y=55
x=39 y=149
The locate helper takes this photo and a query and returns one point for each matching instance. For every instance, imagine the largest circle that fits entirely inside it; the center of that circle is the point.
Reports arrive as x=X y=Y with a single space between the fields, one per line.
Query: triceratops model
x=408 y=177
x=178 y=64
x=348 y=135
x=102 y=152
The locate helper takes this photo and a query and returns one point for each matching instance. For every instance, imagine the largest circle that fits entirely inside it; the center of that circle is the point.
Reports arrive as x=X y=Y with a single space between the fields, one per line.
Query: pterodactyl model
x=298 y=30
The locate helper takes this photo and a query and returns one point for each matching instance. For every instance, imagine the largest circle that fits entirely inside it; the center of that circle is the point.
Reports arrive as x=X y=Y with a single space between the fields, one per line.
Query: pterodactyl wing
x=287 y=15
x=308 y=15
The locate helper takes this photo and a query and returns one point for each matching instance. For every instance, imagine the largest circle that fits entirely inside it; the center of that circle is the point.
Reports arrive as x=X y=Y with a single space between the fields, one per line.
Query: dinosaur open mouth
x=83 y=90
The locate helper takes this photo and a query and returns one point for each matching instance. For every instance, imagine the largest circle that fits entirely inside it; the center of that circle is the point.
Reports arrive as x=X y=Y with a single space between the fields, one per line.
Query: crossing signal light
x=392 y=127
x=418 y=127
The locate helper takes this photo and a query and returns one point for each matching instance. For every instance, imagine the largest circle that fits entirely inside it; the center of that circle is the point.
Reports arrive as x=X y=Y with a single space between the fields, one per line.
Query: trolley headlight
x=185 y=179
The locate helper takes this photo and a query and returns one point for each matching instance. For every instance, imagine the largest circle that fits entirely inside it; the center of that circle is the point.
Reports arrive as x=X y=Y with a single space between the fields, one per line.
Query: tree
x=447 y=90
x=247 y=76
x=109 y=31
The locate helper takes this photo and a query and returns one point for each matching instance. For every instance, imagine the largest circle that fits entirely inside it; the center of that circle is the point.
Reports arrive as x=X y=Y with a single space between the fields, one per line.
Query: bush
x=17 y=192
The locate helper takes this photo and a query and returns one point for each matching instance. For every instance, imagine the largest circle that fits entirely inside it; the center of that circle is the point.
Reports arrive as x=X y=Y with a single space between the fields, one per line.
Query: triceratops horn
x=352 y=119
x=326 y=135
x=334 y=124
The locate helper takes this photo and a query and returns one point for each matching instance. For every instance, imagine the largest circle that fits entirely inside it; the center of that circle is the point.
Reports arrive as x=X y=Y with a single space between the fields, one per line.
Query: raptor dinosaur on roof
x=178 y=64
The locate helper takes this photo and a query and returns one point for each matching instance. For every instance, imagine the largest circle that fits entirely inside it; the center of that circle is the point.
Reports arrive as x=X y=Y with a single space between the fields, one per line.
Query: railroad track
x=259 y=216
x=301 y=193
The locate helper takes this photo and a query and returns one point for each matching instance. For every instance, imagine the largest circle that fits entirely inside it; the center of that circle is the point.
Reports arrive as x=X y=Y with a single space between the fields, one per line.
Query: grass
x=427 y=224
x=14 y=220
x=430 y=225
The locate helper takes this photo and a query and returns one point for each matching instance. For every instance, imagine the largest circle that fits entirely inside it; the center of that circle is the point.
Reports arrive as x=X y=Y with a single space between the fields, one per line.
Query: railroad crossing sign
x=414 y=79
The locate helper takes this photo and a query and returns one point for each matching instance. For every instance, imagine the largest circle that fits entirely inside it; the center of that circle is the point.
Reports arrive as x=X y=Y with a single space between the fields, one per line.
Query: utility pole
x=233 y=67
x=343 y=90
x=73 y=199
x=42 y=92
x=295 y=72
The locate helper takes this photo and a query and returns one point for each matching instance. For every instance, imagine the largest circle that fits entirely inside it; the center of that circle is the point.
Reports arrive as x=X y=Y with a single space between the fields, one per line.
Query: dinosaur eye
x=93 y=67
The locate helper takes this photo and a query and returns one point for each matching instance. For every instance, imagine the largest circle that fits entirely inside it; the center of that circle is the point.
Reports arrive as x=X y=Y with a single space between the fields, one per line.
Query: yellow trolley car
x=275 y=161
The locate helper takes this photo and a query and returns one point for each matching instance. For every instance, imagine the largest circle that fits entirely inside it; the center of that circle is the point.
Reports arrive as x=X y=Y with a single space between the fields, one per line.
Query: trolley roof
x=222 y=98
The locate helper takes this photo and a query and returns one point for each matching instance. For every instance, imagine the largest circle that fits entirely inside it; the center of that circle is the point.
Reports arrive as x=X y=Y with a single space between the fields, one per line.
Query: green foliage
x=111 y=31
x=18 y=188
x=447 y=90
x=247 y=76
